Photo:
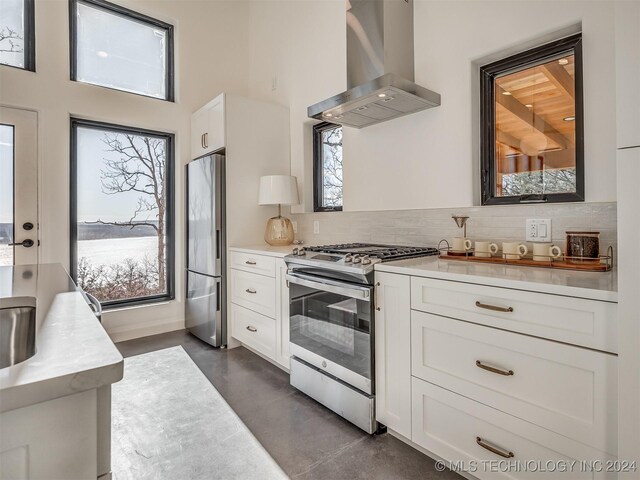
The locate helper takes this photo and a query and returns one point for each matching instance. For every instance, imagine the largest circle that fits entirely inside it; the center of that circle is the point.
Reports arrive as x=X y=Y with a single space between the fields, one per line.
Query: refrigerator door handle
x=218 y=293
x=217 y=243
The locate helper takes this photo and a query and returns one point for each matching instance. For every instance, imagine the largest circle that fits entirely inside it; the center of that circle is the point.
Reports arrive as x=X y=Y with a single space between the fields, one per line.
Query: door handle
x=206 y=140
x=495 y=308
x=25 y=243
x=488 y=368
x=492 y=449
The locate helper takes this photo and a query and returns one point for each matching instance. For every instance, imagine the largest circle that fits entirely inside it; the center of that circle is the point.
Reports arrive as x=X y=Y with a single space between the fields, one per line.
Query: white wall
x=211 y=50
x=429 y=159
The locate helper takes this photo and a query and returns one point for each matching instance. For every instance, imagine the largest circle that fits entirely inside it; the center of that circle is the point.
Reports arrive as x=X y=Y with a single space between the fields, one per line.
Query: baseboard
x=281 y=367
x=129 y=332
x=426 y=452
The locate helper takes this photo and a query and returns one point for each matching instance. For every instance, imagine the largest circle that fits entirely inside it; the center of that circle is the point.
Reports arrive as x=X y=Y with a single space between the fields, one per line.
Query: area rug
x=170 y=423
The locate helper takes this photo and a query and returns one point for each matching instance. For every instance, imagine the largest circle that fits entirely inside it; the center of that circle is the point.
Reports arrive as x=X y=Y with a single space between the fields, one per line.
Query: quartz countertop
x=591 y=285
x=265 y=249
x=73 y=351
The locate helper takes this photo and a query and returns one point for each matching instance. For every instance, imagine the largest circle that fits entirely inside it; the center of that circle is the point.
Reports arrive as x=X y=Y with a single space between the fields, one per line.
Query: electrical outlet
x=538 y=230
x=295 y=226
x=316 y=226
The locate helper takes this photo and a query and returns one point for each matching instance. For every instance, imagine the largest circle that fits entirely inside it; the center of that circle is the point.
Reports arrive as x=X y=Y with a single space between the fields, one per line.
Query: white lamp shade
x=278 y=190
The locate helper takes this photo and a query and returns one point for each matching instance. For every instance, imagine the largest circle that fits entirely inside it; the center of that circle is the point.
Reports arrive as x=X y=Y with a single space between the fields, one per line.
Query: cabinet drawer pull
x=206 y=140
x=252 y=329
x=250 y=262
x=488 y=368
x=491 y=448
x=250 y=290
x=495 y=308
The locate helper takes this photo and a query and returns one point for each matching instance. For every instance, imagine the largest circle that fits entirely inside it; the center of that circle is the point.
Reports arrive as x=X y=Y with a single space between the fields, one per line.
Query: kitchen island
x=55 y=407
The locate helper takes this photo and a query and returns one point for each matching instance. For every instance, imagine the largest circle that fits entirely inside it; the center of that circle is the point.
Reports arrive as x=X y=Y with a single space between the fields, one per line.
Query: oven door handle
x=326 y=285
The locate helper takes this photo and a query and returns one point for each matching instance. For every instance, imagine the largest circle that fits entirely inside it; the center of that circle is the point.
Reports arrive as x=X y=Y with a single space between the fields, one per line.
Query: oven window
x=336 y=327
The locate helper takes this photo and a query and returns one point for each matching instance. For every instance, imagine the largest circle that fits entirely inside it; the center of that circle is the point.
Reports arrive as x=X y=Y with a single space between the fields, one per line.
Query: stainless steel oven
x=331 y=327
x=331 y=308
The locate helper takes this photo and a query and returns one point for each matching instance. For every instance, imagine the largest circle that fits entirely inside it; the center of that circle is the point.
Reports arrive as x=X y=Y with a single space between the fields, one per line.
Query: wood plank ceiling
x=531 y=108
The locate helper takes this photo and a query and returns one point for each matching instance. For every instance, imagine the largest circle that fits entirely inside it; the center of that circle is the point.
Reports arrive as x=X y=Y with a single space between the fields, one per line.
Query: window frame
x=488 y=73
x=131 y=15
x=169 y=219
x=318 y=167
x=29 y=38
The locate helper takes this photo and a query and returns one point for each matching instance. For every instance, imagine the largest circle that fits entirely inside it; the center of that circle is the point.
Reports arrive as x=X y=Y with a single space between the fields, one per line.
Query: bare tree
x=332 y=168
x=139 y=167
x=10 y=40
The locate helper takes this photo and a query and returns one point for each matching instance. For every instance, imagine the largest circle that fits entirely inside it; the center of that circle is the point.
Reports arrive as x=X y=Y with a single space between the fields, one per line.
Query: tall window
x=121 y=212
x=17 y=34
x=532 y=123
x=327 y=167
x=118 y=48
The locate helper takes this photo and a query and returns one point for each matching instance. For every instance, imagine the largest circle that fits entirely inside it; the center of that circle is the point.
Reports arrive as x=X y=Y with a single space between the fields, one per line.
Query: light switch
x=538 y=230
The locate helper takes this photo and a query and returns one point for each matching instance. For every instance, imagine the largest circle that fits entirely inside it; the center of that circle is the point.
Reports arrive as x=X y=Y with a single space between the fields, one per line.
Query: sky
x=93 y=202
x=11 y=15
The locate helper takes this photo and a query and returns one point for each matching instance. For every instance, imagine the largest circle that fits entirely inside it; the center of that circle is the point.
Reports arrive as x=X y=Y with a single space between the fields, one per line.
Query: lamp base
x=279 y=231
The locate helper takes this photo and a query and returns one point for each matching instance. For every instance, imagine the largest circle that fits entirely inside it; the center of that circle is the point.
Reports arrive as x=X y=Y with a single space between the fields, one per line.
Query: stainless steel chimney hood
x=379 y=67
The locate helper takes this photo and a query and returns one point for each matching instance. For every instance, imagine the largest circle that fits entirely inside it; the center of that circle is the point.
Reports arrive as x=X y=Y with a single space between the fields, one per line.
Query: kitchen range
x=332 y=301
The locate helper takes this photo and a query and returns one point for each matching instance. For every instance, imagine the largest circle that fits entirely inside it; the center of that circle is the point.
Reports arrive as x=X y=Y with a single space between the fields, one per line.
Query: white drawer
x=589 y=323
x=449 y=426
x=253 y=291
x=249 y=262
x=569 y=390
x=254 y=330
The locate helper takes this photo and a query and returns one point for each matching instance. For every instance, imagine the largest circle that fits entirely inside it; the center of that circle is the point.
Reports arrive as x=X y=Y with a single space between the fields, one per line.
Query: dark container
x=582 y=246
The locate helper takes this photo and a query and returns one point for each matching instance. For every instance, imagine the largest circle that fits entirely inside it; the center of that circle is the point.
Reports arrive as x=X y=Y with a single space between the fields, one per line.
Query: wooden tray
x=595 y=265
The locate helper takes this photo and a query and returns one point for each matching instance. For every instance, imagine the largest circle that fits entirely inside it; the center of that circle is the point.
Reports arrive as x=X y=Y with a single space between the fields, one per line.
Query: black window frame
x=29 y=38
x=488 y=74
x=131 y=15
x=170 y=202
x=318 y=167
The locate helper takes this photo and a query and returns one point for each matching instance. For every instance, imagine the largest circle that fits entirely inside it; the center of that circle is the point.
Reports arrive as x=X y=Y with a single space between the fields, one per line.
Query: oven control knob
x=295 y=251
x=348 y=258
x=324 y=364
x=301 y=252
x=366 y=260
x=356 y=259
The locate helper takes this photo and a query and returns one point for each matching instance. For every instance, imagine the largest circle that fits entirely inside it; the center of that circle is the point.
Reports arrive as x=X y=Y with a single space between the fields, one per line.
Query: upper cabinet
x=208 y=128
x=627 y=35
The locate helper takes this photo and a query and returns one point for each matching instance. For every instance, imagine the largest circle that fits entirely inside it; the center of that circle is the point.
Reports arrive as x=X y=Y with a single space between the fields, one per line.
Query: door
x=204 y=216
x=203 y=308
x=18 y=186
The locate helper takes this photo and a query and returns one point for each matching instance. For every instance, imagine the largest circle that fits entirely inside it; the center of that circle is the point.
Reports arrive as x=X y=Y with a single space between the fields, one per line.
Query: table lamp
x=278 y=190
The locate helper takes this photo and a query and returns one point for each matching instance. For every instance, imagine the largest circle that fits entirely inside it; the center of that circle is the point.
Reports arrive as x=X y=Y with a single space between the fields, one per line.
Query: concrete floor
x=307 y=440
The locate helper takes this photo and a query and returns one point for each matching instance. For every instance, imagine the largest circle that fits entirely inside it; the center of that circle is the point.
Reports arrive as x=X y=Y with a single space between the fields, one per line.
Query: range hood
x=379 y=67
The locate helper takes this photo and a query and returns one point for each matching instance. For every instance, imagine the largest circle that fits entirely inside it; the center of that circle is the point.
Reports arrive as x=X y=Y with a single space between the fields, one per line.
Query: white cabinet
x=566 y=389
x=476 y=373
x=259 y=304
x=393 y=352
x=577 y=321
x=459 y=429
x=208 y=128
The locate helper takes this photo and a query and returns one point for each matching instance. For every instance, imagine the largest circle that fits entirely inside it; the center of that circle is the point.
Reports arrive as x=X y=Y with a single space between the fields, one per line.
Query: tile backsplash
x=427 y=227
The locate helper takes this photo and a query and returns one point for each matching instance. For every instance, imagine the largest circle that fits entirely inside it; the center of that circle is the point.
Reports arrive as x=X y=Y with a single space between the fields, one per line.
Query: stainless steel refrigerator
x=205 y=306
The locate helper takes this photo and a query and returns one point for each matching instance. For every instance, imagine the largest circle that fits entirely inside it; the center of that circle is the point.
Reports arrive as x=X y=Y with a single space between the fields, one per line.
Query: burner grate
x=383 y=252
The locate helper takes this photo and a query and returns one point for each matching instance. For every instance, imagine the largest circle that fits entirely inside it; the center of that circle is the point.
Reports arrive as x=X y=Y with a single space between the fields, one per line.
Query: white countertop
x=265 y=249
x=591 y=285
x=73 y=351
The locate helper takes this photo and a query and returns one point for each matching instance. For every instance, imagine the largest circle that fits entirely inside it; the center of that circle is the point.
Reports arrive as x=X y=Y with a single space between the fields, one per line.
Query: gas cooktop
x=349 y=261
x=383 y=252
